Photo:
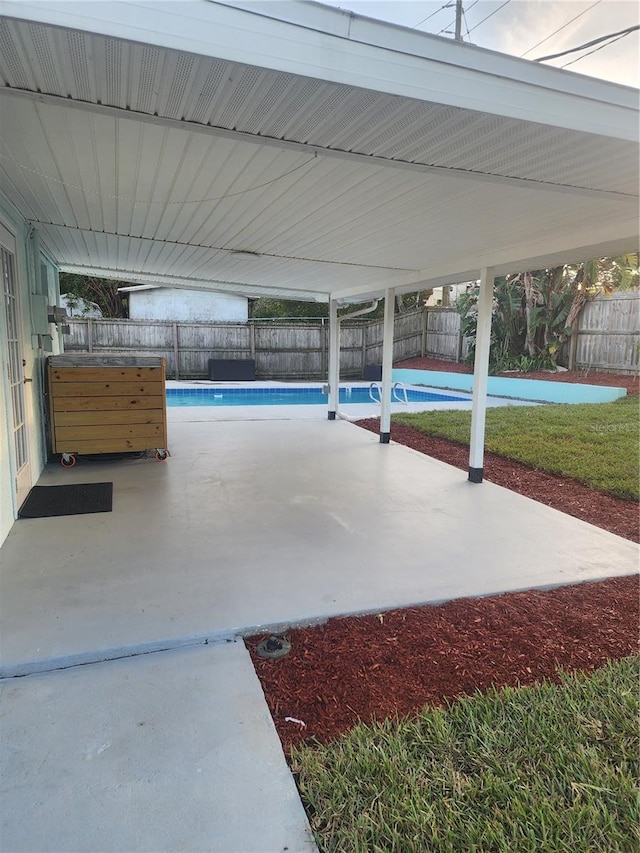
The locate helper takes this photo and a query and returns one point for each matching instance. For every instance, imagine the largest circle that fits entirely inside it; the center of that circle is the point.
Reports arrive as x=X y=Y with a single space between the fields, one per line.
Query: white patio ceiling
x=153 y=141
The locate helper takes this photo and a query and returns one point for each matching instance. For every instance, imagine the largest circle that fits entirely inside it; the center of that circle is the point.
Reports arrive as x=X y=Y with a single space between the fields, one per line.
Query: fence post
x=252 y=340
x=176 y=350
x=573 y=343
x=363 y=347
x=425 y=320
x=367 y=343
x=89 y=334
x=323 y=349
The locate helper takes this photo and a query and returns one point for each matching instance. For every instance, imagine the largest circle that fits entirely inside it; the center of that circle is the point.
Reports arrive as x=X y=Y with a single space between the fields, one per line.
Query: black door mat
x=45 y=501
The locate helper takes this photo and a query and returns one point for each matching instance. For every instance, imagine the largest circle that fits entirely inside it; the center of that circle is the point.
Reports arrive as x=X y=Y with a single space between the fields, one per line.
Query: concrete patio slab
x=267 y=523
x=163 y=752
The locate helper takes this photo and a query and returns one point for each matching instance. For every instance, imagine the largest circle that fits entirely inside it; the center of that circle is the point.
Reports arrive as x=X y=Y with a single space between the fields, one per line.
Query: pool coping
x=524 y=391
x=515 y=388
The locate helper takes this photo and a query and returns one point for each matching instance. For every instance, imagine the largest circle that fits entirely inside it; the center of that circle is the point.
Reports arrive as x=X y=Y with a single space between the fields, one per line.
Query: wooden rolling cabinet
x=107 y=405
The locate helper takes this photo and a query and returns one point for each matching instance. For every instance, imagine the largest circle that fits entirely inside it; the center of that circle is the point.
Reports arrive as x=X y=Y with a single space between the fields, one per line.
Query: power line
x=595 y=50
x=546 y=38
x=589 y=43
x=466 y=23
x=424 y=20
x=152 y=201
x=490 y=15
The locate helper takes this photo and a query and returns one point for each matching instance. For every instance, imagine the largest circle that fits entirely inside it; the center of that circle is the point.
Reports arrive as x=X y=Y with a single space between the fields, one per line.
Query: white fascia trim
x=251 y=291
x=371 y=55
x=610 y=241
x=405 y=40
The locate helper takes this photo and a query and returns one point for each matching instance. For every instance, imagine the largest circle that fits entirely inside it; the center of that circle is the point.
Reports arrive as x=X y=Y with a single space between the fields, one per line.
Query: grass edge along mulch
x=352 y=669
x=549 y=767
x=593 y=444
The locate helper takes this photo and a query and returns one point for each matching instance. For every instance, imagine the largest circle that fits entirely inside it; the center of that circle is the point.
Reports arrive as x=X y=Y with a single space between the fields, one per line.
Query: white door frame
x=18 y=427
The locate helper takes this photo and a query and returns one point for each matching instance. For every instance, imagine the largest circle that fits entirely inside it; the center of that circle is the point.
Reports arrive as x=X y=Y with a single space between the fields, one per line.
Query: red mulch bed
x=589 y=377
x=377 y=666
x=598 y=508
x=394 y=663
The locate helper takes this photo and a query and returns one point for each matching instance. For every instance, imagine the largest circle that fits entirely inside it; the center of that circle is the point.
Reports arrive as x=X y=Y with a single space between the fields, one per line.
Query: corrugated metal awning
x=152 y=157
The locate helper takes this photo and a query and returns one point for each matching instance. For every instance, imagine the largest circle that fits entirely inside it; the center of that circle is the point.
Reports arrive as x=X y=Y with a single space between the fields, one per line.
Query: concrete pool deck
x=254 y=523
x=249 y=524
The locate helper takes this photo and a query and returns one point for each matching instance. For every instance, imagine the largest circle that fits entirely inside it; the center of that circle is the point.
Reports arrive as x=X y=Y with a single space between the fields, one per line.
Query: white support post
x=387 y=365
x=480 y=374
x=334 y=359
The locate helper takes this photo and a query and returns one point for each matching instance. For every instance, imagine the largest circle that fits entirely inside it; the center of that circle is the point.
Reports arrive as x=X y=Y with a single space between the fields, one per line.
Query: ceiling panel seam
x=174 y=243
x=450 y=171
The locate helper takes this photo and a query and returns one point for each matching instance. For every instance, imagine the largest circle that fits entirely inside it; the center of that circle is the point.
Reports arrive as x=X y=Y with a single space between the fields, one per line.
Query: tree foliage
x=534 y=312
x=102 y=291
x=268 y=308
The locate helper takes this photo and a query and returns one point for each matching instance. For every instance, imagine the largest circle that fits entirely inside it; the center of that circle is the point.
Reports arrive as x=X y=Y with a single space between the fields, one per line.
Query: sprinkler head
x=274 y=647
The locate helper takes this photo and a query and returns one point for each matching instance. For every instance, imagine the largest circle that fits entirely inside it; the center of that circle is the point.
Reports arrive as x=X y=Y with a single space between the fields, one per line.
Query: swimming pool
x=294 y=396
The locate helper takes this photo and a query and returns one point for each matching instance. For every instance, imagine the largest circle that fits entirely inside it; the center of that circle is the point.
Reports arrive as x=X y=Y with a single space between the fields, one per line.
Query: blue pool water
x=287 y=396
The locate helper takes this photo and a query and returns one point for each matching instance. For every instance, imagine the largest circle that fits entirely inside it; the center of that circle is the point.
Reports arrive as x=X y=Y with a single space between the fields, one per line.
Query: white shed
x=150 y=302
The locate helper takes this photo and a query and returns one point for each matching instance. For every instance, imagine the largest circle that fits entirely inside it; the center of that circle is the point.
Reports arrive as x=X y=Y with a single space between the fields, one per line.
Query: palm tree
x=536 y=312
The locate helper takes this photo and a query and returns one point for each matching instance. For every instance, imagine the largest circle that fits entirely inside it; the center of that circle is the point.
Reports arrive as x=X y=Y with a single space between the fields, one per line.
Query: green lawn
x=546 y=767
x=596 y=444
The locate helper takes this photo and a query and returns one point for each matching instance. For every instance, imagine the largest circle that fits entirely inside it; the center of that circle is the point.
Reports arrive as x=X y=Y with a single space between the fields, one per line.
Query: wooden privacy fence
x=442 y=338
x=609 y=334
x=608 y=338
x=282 y=350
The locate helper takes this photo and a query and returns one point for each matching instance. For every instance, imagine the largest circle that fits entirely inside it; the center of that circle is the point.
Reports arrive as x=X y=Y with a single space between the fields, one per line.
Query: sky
x=518 y=26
